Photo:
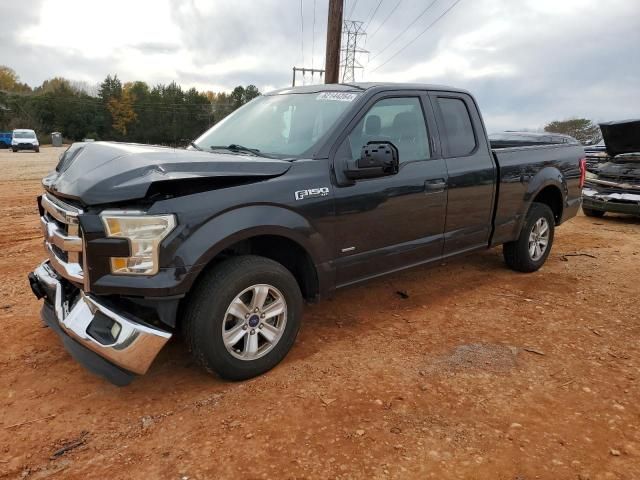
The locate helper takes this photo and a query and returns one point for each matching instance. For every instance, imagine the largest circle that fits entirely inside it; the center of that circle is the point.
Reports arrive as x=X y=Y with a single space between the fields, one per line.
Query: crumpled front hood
x=108 y=172
x=621 y=137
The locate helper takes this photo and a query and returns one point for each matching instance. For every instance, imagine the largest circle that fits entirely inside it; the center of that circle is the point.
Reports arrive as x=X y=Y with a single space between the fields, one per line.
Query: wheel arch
x=278 y=246
x=551 y=196
x=274 y=232
x=548 y=187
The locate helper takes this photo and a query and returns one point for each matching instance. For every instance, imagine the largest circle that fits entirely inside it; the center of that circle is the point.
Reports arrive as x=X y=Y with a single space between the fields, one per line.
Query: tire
x=593 y=213
x=38 y=150
x=14 y=150
x=207 y=313
x=518 y=254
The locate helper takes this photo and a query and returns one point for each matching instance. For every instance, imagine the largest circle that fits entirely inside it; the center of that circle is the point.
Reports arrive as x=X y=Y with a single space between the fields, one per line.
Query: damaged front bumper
x=105 y=341
x=615 y=202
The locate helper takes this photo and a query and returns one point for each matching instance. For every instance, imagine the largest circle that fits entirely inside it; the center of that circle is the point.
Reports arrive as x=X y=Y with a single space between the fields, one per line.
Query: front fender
x=200 y=244
x=188 y=249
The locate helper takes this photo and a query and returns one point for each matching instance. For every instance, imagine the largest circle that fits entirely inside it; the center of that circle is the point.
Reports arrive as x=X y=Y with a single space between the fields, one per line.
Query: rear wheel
x=593 y=213
x=243 y=317
x=14 y=150
x=530 y=251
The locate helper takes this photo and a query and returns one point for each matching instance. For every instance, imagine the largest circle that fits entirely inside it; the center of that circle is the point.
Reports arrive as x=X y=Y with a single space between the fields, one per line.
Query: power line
x=301 y=32
x=385 y=20
x=313 y=32
x=417 y=36
x=368 y=22
x=405 y=30
x=353 y=7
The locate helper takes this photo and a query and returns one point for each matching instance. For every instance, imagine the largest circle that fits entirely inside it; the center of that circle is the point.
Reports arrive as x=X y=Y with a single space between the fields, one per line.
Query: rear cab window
x=460 y=137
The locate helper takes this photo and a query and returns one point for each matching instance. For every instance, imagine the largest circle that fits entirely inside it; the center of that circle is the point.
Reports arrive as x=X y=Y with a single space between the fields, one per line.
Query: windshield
x=23 y=135
x=280 y=125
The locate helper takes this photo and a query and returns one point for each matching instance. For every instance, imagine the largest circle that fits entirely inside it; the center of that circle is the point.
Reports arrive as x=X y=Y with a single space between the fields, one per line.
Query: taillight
x=583 y=171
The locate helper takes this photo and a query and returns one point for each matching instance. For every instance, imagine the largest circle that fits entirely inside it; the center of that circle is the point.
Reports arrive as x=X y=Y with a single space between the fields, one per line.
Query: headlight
x=144 y=232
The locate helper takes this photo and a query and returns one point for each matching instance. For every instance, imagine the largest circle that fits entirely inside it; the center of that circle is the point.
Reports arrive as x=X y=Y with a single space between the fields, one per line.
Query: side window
x=396 y=120
x=458 y=127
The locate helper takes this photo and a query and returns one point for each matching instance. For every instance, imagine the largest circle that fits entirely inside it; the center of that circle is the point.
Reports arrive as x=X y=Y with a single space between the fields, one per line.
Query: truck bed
x=517 y=166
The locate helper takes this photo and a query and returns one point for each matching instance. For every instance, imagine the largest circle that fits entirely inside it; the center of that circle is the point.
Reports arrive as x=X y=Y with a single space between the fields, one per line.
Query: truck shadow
x=348 y=312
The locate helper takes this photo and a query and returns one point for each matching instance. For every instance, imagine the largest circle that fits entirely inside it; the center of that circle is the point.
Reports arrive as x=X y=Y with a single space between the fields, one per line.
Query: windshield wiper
x=194 y=145
x=234 y=147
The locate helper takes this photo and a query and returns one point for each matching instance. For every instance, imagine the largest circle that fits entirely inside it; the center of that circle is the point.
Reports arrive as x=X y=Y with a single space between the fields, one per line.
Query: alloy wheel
x=254 y=322
x=539 y=239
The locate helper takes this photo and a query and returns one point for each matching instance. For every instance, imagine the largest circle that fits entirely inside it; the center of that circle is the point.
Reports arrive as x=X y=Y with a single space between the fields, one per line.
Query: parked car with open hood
x=614 y=186
x=595 y=155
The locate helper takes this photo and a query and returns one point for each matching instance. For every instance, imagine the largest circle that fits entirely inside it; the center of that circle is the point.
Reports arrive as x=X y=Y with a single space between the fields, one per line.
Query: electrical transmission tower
x=354 y=34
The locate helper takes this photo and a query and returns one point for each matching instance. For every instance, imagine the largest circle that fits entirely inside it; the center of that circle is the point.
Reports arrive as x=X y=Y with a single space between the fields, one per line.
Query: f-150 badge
x=312 y=193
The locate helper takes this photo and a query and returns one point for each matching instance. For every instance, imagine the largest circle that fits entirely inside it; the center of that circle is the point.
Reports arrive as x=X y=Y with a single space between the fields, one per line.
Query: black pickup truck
x=298 y=193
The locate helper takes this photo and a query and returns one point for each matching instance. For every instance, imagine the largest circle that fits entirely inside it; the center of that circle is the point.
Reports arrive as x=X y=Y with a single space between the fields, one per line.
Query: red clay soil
x=481 y=373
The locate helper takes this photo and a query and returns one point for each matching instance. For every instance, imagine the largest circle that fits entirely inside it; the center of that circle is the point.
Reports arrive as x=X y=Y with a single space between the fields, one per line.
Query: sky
x=527 y=62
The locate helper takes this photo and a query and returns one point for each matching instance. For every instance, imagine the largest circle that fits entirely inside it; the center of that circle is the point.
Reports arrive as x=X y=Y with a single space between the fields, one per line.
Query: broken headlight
x=144 y=232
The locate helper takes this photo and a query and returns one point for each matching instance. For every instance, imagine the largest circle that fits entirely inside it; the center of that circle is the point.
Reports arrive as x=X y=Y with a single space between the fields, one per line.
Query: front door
x=384 y=224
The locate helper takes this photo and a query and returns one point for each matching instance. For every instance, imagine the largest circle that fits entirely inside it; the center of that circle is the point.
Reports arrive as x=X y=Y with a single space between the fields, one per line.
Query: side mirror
x=377 y=159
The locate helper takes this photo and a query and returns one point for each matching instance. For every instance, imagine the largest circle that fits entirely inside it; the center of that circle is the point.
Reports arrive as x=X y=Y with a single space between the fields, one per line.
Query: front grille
x=62 y=237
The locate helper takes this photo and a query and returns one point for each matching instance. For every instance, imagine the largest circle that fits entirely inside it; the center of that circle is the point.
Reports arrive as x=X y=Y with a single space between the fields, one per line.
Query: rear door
x=471 y=172
x=387 y=223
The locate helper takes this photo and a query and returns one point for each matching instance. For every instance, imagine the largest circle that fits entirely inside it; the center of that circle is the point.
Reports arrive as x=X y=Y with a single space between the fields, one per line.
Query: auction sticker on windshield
x=339 y=96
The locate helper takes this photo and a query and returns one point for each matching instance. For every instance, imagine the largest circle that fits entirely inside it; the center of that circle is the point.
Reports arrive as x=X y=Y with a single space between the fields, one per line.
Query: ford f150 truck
x=296 y=194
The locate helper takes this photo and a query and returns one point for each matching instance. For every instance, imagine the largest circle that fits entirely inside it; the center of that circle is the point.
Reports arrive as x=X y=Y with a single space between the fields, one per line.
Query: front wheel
x=529 y=252
x=243 y=317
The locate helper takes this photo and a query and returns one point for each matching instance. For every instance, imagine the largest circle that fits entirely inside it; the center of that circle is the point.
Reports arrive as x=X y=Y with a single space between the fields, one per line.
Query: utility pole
x=334 y=35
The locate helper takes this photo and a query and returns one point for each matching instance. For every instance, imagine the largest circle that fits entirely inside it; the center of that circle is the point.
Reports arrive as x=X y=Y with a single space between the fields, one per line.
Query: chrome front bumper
x=122 y=341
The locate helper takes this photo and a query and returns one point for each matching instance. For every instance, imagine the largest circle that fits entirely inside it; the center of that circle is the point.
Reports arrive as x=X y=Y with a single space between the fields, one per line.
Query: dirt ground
x=481 y=373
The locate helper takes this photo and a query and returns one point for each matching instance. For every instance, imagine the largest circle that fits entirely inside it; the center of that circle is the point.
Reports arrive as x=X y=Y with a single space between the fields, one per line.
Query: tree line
x=137 y=112
x=129 y=111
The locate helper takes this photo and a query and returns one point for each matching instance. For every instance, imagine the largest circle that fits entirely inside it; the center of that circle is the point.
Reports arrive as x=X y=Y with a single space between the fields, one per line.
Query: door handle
x=435 y=185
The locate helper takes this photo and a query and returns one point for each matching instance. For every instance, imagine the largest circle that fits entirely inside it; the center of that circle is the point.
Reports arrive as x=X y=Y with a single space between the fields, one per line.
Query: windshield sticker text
x=339 y=96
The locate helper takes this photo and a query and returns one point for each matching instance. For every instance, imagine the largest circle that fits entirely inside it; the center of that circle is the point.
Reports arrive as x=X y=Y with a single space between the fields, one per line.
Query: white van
x=24 y=139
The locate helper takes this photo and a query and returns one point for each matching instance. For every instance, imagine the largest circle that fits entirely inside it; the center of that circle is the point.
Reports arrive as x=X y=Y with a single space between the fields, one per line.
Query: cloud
x=529 y=62
x=526 y=61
